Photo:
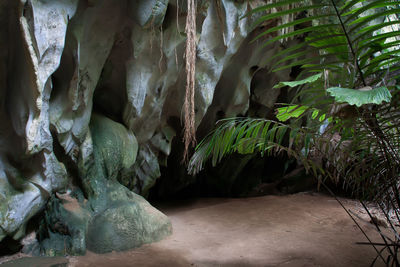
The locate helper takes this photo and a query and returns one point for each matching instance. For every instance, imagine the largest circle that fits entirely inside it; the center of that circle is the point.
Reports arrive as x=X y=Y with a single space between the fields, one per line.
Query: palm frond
x=339 y=33
x=244 y=136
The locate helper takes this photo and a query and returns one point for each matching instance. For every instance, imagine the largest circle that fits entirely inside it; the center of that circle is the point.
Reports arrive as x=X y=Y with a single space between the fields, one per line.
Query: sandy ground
x=296 y=230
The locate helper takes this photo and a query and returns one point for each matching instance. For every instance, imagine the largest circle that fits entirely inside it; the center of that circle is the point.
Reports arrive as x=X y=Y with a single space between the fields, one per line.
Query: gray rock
x=127 y=224
x=30 y=171
x=148 y=12
x=146 y=169
x=87 y=50
x=90 y=93
x=64 y=227
x=121 y=219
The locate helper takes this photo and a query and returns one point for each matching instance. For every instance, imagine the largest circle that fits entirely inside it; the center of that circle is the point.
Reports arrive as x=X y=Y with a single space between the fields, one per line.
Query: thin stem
x=358 y=225
x=377 y=227
x=349 y=43
x=388 y=219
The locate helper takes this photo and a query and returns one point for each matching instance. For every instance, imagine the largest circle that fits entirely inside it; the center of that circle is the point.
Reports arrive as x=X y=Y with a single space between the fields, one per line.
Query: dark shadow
x=9 y=246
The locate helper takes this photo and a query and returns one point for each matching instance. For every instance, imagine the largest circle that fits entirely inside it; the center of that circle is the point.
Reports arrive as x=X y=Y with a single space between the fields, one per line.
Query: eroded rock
x=64 y=227
x=91 y=92
x=128 y=223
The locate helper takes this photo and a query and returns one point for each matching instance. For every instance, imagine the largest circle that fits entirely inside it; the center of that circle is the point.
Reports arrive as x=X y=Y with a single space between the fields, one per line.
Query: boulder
x=129 y=222
x=64 y=227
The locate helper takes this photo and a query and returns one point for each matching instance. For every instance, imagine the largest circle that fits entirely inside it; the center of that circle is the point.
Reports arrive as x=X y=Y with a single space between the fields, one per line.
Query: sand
x=304 y=229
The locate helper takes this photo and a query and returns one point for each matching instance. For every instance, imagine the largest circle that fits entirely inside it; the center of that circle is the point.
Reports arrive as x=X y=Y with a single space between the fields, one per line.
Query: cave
x=92 y=142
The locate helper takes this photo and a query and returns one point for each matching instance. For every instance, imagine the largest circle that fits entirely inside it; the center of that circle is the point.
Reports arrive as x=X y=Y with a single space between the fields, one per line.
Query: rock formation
x=91 y=91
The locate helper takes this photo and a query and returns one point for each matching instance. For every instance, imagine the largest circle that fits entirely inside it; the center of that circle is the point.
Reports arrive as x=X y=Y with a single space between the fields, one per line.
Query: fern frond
x=338 y=33
x=240 y=135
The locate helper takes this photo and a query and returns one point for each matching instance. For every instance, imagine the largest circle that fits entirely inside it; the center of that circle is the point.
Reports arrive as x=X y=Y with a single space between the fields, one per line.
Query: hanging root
x=189 y=136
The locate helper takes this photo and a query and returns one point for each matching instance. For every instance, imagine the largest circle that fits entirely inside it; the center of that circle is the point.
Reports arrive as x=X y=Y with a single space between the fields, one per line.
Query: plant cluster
x=343 y=122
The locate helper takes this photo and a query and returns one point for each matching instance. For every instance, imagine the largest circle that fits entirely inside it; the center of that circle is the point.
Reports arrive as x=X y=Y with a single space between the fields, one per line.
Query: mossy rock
x=121 y=219
x=126 y=225
x=115 y=147
x=64 y=226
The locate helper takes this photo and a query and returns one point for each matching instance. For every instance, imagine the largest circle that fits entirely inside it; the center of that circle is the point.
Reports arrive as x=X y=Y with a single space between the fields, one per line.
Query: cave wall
x=69 y=67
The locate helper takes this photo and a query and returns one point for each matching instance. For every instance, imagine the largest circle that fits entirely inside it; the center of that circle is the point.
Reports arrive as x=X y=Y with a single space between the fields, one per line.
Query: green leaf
x=315 y=114
x=307 y=141
x=281 y=134
x=293 y=137
x=360 y=97
x=330 y=40
x=293 y=111
x=310 y=79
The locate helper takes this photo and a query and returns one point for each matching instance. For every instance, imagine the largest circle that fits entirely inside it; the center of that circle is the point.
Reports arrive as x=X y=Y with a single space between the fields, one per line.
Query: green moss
x=63 y=232
x=114 y=146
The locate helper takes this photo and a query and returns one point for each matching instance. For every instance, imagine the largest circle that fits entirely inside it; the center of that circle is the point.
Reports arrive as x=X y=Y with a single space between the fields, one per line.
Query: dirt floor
x=305 y=229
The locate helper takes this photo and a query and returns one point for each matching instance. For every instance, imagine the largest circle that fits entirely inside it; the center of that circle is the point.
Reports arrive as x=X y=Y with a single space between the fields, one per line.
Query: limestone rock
x=122 y=219
x=148 y=12
x=64 y=227
x=113 y=217
x=127 y=224
x=110 y=149
x=91 y=95
x=29 y=169
x=88 y=44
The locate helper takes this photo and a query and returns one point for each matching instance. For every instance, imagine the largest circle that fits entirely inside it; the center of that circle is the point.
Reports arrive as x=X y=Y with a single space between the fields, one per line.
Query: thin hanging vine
x=189 y=136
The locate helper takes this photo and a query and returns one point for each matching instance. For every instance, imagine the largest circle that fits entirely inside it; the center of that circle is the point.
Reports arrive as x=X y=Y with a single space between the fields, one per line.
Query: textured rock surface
x=127 y=224
x=63 y=230
x=63 y=61
x=113 y=217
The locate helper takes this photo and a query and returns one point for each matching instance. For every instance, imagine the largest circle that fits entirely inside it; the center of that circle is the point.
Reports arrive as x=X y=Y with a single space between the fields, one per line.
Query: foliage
x=361 y=96
x=301 y=82
x=349 y=49
x=244 y=136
